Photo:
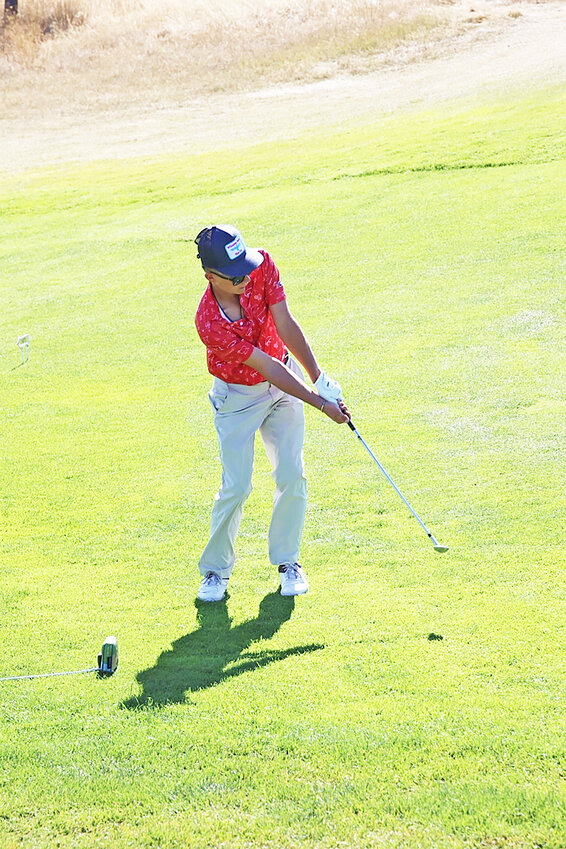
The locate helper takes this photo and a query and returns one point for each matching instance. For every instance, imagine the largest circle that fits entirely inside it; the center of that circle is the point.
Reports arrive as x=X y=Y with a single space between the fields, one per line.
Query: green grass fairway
x=424 y=257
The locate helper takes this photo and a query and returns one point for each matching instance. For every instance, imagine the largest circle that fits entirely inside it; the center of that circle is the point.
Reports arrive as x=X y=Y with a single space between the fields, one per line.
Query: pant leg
x=283 y=433
x=239 y=412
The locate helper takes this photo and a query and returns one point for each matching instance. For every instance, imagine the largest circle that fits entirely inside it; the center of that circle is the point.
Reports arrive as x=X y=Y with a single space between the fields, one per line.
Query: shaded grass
x=430 y=285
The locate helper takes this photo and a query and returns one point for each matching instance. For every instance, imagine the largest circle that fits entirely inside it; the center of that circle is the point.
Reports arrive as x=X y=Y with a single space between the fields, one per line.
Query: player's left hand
x=328 y=388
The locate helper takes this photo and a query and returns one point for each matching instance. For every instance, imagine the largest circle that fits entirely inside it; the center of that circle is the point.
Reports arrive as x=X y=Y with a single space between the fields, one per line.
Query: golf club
x=437 y=547
x=107 y=664
x=23 y=344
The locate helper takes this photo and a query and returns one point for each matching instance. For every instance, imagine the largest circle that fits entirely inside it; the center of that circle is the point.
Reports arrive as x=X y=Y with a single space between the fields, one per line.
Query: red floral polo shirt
x=230 y=343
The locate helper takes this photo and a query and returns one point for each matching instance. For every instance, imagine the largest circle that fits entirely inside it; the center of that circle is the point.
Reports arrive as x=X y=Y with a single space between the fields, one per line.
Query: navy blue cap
x=223 y=249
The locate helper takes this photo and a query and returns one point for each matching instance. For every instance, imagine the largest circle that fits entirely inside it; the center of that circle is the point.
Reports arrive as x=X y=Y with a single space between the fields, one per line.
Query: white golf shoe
x=212 y=587
x=293 y=579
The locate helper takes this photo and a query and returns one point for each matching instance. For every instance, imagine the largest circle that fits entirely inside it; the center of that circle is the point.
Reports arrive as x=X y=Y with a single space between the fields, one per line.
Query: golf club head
x=108 y=658
x=23 y=344
x=441 y=548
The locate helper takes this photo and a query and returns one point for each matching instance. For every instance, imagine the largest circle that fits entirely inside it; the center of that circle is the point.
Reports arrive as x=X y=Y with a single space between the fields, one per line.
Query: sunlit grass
x=424 y=259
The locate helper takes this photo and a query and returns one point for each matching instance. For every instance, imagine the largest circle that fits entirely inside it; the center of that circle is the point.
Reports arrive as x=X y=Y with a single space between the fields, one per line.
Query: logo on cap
x=236 y=248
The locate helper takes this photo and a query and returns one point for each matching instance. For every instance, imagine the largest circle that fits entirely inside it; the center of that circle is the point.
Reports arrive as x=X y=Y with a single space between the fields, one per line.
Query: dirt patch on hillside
x=501 y=47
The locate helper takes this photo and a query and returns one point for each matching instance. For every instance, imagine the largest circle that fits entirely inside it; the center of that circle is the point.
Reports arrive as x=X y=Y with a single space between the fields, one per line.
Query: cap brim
x=245 y=264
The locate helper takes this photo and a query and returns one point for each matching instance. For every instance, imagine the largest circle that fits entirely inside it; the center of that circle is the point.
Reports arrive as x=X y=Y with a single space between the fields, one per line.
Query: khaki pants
x=239 y=411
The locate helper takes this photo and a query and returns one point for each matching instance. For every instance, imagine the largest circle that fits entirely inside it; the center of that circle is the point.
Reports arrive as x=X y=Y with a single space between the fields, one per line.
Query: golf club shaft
x=393 y=484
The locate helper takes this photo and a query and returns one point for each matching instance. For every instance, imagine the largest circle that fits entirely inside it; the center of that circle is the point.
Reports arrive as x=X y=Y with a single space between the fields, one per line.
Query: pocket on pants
x=217 y=396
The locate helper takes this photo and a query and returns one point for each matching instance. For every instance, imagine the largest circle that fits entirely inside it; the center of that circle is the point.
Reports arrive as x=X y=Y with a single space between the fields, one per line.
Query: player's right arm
x=277 y=373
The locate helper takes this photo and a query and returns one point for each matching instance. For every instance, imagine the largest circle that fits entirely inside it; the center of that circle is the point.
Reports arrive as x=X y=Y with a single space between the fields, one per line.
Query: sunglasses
x=236 y=281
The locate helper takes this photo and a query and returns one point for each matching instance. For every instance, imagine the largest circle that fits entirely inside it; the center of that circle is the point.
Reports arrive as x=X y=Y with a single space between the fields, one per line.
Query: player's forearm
x=283 y=378
x=297 y=343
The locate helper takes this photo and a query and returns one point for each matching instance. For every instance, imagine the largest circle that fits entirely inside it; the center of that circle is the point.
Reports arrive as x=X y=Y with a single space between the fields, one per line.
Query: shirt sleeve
x=273 y=287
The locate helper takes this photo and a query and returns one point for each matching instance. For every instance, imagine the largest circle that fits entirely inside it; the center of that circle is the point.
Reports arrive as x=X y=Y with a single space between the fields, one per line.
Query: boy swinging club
x=252 y=342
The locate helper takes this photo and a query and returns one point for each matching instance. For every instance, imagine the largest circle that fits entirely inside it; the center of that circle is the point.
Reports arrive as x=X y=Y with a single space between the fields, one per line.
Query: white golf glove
x=328 y=388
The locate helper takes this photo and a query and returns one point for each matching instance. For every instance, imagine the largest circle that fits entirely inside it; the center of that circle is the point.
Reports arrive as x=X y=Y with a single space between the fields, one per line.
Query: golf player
x=252 y=344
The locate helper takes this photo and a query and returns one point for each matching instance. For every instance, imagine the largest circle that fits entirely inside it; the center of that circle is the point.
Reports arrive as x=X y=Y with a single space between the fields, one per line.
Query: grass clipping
x=205 y=46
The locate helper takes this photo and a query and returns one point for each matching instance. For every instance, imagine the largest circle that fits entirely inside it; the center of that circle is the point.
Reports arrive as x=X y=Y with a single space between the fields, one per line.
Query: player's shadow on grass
x=215 y=652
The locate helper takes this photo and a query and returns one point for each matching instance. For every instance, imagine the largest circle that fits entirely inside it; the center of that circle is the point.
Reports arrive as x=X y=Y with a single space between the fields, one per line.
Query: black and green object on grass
x=107 y=665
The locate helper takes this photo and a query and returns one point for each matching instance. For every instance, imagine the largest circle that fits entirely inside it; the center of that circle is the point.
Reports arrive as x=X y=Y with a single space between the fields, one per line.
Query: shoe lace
x=211 y=578
x=292 y=570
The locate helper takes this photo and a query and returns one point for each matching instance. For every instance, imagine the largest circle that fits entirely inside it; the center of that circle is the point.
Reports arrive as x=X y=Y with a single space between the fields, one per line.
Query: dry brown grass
x=109 y=50
x=69 y=54
x=24 y=34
